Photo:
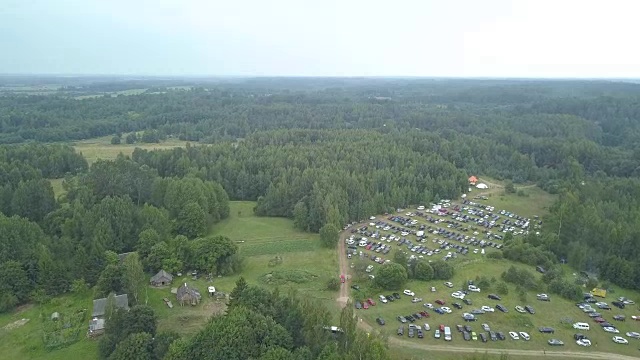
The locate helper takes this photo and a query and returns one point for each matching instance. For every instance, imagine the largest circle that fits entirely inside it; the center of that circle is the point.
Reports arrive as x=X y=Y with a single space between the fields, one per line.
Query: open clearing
x=101 y=148
x=558 y=313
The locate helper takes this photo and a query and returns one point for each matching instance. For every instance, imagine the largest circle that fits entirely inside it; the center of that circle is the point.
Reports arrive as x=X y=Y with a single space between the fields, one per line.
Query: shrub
x=502 y=288
x=333 y=284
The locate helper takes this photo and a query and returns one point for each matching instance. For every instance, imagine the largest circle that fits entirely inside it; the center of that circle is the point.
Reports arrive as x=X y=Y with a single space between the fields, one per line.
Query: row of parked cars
x=588 y=308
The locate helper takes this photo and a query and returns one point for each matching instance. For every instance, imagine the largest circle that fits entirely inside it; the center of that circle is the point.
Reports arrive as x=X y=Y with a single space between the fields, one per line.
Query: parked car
x=543 y=297
x=416 y=300
x=365 y=305
x=383 y=299
x=467 y=301
x=500 y=335
x=619 y=318
x=485 y=327
x=494 y=297
x=466 y=335
x=514 y=335
x=633 y=334
x=409 y=293
x=530 y=309
x=493 y=336
x=555 y=342
x=427 y=327
x=401 y=330
x=487 y=309
x=446 y=309
x=358 y=305
x=618 y=304
x=436 y=334
x=457 y=305
x=380 y=321
x=441 y=302
x=520 y=309
x=458 y=295
x=483 y=337
x=355 y=287
x=547 y=330
x=474 y=288
x=402 y=319
x=620 y=340
x=420 y=334
x=579 y=336
x=502 y=308
x=610 y=329
x=525 y=335
x=584 y=342
x=448 y=284
x=411 y=331
x=474 y=336
x=396 y=295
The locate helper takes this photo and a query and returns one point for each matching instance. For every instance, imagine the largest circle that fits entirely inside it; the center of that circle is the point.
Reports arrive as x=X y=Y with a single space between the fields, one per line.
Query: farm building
x=161 y=278
x=187 y=295
x=99 y=305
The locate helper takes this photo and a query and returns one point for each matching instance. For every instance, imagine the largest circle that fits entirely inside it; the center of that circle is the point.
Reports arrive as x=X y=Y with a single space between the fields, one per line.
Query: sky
x=432 y=38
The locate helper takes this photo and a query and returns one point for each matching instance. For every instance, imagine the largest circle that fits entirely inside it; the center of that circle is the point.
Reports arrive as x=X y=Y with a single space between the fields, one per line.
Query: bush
x=502 y=288
x=115 y=140
x=391 y=276
x=333 y=284
x=497 y=255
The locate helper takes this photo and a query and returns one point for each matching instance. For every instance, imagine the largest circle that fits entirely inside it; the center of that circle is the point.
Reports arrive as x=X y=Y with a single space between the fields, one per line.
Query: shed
x=161 y=278
x=482 y=186
x=99 y=305
x=96 y=327
x=473 y=180
x=188 y=295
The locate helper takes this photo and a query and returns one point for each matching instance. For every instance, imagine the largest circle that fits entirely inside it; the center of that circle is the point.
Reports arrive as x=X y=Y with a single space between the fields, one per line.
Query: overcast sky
x=492 y=38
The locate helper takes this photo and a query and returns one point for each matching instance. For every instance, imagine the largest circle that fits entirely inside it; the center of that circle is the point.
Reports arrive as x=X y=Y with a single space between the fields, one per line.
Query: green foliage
x=280 y=277
x=520 y=277
x=423 y=271
x=67 y=329
x=509 y=188
x=502 y=288
x=391 y=276
x=329 y=235
x=137 y=346
x=116 y=140
x=333 y=284
x=111 y=280
x=131 y=138
x=442 y=270
x=191 y=221
x=134 y=279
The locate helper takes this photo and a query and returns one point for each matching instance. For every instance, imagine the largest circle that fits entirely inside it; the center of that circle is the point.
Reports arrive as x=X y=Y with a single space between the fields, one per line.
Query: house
x=482 y=186
x=96 y=327
x=99 y=305
x=161 y=278
x=188 y=295
x=473 y=180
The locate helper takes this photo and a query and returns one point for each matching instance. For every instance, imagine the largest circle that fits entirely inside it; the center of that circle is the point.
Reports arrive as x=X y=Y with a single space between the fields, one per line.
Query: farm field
x=559 y=314
x=101 y=148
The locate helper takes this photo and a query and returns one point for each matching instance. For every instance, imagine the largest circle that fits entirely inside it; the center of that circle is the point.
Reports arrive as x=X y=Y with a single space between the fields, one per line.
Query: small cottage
x=99 y=305
x=188 y=295
x=162 y=278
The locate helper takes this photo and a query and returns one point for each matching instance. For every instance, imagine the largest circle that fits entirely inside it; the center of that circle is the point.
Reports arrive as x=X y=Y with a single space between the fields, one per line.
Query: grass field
x=101 y=148
x=467 y=268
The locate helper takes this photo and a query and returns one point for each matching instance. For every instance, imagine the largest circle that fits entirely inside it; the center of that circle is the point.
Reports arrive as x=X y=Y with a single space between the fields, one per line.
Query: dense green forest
x=323 y=152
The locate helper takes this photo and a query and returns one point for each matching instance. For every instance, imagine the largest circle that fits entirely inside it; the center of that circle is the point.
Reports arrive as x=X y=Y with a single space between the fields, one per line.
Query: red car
x=441 y=302
x=424 y=314
x=599 y=320
x=365 y=305
x=342 y=278
x=371 y=302
x=441 y=327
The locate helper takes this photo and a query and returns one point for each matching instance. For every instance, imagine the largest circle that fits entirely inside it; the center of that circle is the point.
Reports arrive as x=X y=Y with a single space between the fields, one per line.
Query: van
x=581 y=326
x=447 y=333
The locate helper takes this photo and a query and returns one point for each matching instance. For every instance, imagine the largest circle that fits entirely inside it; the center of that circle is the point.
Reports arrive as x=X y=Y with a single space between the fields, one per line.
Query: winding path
x=343 y=298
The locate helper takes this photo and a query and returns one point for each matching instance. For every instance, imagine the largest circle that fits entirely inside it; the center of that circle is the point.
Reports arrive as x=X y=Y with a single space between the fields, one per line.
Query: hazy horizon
x=286 y=38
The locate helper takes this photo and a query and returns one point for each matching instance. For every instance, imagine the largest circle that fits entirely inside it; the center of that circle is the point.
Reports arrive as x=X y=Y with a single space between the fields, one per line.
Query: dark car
x=483 y=337
x=618 y=304
x=502 y=308
x=492 y=335
x=530 y=309
x=402 y=319
x=441 y=302
x=390 y=298
x=380 y=321
x=457 y=306
x=358 y=305
x=477 y=312
x=619 y=318
x=500 y=335
x=411 y=332
x=466 y=336
x=396 y=295
x=420 y=334
x=605 y=307
x=355 y=287
x=493 y=297
x=555 y=342
x=401 y=330
x=595 y=315
x=579 y=336
x=424 y=314
x=410 y=318
x=547 y=330
x=467 y=301
x=460 y=328
x=467 y=328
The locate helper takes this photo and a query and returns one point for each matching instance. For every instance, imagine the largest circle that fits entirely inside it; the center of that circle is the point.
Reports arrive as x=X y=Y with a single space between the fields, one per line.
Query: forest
x=323 y=152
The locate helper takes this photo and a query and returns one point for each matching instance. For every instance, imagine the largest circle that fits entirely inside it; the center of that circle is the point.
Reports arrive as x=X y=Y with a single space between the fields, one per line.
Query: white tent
x=482 y=186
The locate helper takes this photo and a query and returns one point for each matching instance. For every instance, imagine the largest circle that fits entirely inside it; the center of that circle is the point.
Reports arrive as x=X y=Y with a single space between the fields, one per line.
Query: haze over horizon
x=458 y=38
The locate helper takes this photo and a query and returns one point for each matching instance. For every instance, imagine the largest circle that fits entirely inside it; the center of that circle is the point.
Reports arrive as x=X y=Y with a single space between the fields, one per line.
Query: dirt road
x=343 y=298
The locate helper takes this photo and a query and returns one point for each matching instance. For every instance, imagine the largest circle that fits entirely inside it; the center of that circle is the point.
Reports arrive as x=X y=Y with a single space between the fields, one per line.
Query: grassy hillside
x=101 y=148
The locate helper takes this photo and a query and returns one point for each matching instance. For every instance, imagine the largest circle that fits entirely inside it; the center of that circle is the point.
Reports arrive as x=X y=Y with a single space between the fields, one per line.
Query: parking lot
x=464 y=234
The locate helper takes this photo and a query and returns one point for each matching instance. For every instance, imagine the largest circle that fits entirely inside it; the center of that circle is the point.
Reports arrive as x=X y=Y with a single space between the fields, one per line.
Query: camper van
x=581 y=326
x=447 y=333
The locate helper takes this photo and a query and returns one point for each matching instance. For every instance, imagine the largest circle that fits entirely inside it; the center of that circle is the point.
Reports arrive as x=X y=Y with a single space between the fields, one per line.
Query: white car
x=383 y=299
x=446 y=309
x=372 y=218
x=474 y=288
x=427 y=327
x=487 y=309
x=525 y=336
x=611 y=329
x=520 y=309
x=584 y=342
x=409 y=293
x=633 y=334
x=486 y=327
x=458 y=295
x=448 y=284
x=514 y=335
x=428 y=305
x=619 y=340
